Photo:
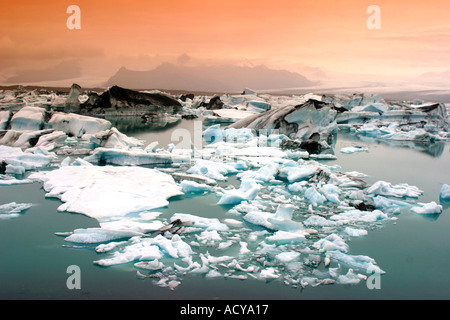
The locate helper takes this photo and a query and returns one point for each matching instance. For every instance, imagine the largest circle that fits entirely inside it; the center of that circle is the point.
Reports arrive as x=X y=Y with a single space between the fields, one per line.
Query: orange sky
x=316 y=38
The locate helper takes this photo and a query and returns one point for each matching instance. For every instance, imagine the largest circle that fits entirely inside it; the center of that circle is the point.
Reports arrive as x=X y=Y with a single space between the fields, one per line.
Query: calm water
x=414 y=251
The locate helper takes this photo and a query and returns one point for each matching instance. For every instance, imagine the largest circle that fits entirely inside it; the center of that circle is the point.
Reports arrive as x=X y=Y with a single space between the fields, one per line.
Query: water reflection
x=139 y=124
x=434 y=149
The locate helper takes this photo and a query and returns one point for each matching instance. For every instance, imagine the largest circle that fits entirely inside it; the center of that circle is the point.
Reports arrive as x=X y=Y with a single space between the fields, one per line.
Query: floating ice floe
x=444 y=193
x=354 y=149
x=13 y=209
x=400 y=190
x=427 y=208
x=134 y=157
x=247 y=191
x=104 y=192
x=23 y=161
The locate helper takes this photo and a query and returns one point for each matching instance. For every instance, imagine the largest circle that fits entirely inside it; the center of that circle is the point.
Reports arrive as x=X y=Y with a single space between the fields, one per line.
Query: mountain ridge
x=208 y=78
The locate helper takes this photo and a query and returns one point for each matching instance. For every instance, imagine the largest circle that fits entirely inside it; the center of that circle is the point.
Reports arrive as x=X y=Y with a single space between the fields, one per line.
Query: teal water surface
x=413 y=250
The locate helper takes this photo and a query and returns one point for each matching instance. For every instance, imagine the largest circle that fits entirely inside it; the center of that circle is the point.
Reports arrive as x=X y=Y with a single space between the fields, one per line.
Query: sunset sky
x=324 y=40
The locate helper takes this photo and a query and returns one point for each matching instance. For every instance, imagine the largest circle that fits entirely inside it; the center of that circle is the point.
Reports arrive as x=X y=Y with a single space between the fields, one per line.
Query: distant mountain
x=211 y=78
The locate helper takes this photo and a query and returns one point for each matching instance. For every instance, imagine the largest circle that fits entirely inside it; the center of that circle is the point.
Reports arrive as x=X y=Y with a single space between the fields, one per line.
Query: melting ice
x=289 y=217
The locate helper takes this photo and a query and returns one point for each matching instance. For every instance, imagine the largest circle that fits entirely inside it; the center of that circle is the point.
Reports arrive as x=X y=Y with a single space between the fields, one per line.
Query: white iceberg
x=400 y=190
x=28 y=118
x=200 y=222
x=134 y=157
x=211 y=169
x=102 y=192
x=314 y=196
x=444 y=193
x=13 y=209
x=27 y=160
x=354 y=149
x=4 y=119
x=77 y=125
x=192 y=186
x=427 y=208
x=247 y=191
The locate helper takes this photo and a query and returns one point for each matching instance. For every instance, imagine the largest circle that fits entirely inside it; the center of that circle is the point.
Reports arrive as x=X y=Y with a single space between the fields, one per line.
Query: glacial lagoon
x=412 y=249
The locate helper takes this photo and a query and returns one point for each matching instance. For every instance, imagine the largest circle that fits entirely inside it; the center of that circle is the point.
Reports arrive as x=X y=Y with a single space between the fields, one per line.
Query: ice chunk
x=348 y=150
x=260 y=218
x=28 y=118
x=331 y=243
x=427 y=208
x=314 y=196
x=149 y=265
x=208 y=237
x=118 y=140
x=27 y=160
x=287 y=236
x=318 y=221
x=355 y=261
x=287 y=256
x=247 y=191
x=192 y=186
x=353 y=232
x=133 y=157
x=12 y=209
x=211 y=169
x=359 y=216
x=200 y=222
x=4 y=119
x=101 y=192
x=444 y=194
x=389 y=205
x=264 y=174
x=269 y=273
x=400 y=190
x=331 y=192
x=349 y=278
x=97 y=235
x=77 y=125
x=137 y=251
x=295 y=173
x=282 y=219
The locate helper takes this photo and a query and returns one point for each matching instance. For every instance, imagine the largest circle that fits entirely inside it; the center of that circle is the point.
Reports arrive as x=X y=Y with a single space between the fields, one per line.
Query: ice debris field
x=289 y=217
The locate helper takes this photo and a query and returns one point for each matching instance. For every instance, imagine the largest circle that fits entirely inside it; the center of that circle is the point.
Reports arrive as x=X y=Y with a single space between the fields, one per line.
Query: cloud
x=67 y=69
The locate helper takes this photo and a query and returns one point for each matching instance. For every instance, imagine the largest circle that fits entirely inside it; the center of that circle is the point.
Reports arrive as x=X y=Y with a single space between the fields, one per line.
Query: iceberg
x=356 y=261
x=427 y=208
x=331 y=243
x=387 y=189
x=104 y=192
x=27 y=160
x=444 y=193
x=5 y=117
x=348 y=150
x=200 y=222
x=13 y=209
x=211 y=169
x=247 y=191
x=295 y=172
x=28 y=118
x=314 y=196
x=77 y=125
x=134 y=157
x=98 y=235
x=192 y=186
